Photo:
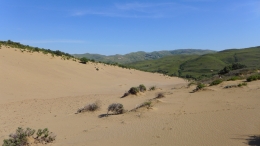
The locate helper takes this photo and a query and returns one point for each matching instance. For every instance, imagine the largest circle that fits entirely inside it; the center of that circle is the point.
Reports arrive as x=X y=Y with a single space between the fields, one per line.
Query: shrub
x=133 y=90
x=147 y=104
x=90 y=107
x=159 y=95
x=229 y=68
x=216 y=82
x=152 y=88
x=142 y=88
x=234 y=78
x=20 y=137
x=45 y=136
x=116 y=108
x=253 y=78
x=242 y=84
x=83 y=60
x=200 y=86
x=191 y=83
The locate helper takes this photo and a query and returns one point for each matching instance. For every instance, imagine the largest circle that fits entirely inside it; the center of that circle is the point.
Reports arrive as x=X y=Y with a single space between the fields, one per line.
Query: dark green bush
x=216 y=82
x=84 y=60
x=200 y=86
x=229 y=68
x=133 y=90
x=142 y=88
x=253 y=78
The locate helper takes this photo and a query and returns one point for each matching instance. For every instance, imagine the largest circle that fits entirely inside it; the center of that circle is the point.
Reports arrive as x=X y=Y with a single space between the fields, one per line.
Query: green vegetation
x=133 y=90
x=199 y=67
x=242 y=84
x=216 y=82
x=20 y=137
x=234 y=66
x=234 y=78
x=34 y=49
x=142 y=88
x=84 y=60
x=199 y=87
x=141 y=56
x=152 y=88
x=253 y=78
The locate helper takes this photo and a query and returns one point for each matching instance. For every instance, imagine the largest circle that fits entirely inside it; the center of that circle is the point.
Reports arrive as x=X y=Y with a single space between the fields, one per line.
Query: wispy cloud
x=51 y=41
x=138 y=10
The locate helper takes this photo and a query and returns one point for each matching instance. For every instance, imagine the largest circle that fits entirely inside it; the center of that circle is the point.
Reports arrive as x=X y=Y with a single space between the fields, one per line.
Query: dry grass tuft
x=90 y=107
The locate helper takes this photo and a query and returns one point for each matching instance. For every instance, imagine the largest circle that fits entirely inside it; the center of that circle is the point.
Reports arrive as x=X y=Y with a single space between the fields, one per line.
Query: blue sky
x=122 y=26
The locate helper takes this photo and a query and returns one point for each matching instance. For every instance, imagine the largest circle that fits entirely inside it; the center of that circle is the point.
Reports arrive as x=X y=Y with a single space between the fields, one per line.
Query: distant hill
x=141 y=56
x=198 y=66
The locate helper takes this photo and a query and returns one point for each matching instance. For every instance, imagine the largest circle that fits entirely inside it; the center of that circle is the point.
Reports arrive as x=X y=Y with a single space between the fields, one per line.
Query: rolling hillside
x=200 y=65
x=141 y=56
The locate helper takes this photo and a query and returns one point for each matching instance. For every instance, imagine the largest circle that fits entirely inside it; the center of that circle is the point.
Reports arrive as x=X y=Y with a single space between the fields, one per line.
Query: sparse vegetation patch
x=253 y=78
x=21 y=136
x=199 y=87
x=147 y=104
x=152 y=88
x=90 y=107
x=234 y=78
x=216 y=82
x=242 y=84
x=159 y=95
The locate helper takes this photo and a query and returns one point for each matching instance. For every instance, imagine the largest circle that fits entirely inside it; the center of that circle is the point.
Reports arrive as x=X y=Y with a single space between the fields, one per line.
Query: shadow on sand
x=104 y=115
x=253 y=140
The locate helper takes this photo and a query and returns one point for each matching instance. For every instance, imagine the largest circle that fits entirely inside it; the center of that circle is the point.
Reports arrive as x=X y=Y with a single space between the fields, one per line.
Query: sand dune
x=40 y=91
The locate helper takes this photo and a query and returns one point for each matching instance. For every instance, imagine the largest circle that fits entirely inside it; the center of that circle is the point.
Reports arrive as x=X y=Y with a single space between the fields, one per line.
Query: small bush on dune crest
x=20 y=137
x=199 y=87
x=116 y=108
x=142 y=88
x=152 y=88
x=84 y=60
x=147 y=104
x=90 y=107
x=133 y=90
x=216 y=82
x=159 y=95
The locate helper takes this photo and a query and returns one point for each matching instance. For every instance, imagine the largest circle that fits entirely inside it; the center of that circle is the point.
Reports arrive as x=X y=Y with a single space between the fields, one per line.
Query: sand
x=39 y=91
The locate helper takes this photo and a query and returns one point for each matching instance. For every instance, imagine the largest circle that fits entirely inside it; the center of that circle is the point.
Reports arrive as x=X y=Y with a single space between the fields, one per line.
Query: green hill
x=141 y=56
x=198 y=66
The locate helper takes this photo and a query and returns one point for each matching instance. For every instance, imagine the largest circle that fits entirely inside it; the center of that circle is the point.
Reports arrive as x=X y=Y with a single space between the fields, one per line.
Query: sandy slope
x=40 y=91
